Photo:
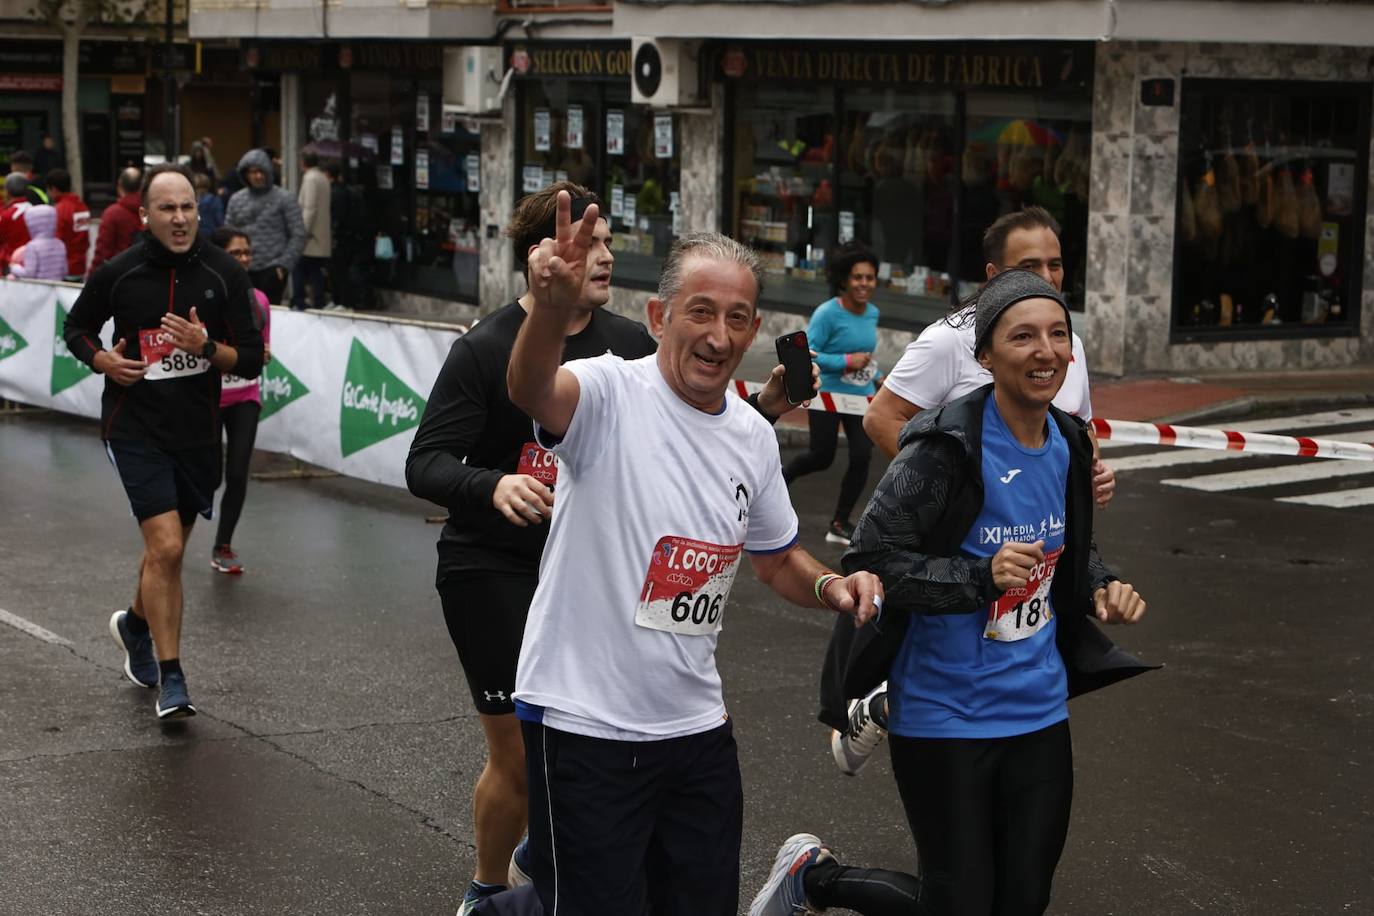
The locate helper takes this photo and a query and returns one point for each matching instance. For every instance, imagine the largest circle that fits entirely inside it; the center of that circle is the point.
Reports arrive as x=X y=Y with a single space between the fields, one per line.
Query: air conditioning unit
x=472 y=79
x=664 y=73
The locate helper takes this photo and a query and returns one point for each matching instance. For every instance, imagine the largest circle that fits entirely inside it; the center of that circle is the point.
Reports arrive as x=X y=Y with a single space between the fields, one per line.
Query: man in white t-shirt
x=665 y=483
x=939 y=367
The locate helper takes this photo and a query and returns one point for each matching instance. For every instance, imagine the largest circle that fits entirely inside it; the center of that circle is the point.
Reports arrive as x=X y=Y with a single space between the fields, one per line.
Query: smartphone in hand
x=795 y=355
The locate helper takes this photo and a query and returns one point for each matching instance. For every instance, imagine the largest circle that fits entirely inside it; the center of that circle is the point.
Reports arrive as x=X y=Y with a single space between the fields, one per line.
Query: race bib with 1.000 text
x=165 y=359
x=539 y=463
x=686 y=586
x=1023 y=612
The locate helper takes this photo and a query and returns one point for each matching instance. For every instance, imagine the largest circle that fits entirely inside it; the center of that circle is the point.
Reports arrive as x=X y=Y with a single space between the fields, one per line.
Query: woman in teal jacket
x=843 y=333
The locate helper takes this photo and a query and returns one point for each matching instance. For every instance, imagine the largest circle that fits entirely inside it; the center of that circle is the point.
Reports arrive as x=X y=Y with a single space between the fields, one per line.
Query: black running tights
x=990 y=817
x=825 y=434
x=240 y=422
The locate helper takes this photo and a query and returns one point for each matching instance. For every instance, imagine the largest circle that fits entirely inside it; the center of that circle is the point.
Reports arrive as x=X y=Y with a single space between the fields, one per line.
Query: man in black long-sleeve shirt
x=183 y=315
x=474 y=454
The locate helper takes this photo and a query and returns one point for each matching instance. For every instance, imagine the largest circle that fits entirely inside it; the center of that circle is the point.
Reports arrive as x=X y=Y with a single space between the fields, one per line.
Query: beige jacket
x=314 y=201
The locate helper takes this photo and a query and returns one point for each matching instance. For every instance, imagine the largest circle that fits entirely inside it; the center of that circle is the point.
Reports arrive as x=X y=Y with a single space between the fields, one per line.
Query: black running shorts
x=486 y=621
x=634 y=826
x=157 y=480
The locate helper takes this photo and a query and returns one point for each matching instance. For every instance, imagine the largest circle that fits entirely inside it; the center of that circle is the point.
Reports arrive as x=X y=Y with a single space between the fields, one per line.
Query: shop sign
x=846 y=226
x=369 y=142
x=448 y=121
x=384 y=178
x=97 y=57
x=474 y=170
x=560 y=175
x=422 y=113
x=663 y=136
x=617 y=200
x=595 y=61
x=128 y=111
x=422 y=169
x=543 y=140
x=574 y=127
x=390 y=56
x=627 y=211
x=30 y=82
x=936 y=65
x=531 y=179
x=675 y=207
x=398 y=146
x=615 y=132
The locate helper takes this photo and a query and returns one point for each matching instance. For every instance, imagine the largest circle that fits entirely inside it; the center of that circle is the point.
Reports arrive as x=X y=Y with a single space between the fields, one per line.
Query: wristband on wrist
x=822 y=581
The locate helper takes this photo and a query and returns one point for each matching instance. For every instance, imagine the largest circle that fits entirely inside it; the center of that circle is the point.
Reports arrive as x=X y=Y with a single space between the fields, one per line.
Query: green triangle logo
x=11 y=341
x=67 y=370
x=278 y=387
x=375 y=404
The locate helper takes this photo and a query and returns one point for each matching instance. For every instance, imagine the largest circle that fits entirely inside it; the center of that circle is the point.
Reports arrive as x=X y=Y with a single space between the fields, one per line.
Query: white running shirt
x=655 y=500
x=939 y=367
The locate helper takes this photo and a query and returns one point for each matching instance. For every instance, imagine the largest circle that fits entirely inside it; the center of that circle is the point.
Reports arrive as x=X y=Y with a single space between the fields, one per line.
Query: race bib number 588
x=165 y=360
x=1023 y=612
x=686 y=586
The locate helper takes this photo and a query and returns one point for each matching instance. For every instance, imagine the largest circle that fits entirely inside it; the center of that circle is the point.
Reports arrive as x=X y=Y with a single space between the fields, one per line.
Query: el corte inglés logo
x=277 y=387
x=67 y=370
x=375 y=404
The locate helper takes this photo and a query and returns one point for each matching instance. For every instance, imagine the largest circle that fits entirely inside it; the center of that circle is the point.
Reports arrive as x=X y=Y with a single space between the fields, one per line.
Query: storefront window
x=1019 y=151
x=1271 y=208
x=916 y=170
x=590 y=133
x=421 y=171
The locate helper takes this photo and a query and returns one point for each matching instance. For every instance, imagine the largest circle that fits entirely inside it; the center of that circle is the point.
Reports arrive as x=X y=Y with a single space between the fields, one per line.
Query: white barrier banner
x=340 y=392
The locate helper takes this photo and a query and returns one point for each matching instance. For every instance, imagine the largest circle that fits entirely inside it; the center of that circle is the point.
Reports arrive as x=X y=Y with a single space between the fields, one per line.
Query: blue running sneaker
x=173 y=701
x=518 y=875
x=139 y=664
x=476 y=893
x=785 y=894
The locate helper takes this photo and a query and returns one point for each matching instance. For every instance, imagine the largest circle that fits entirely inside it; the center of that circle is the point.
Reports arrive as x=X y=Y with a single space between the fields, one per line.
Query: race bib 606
x=539 y=463
x=686 y=586
x=165 y=360
x=1023 y=612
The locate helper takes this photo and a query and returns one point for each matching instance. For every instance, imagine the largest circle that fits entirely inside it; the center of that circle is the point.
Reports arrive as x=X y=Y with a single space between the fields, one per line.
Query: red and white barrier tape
x=1259 y=443
x=1146 y=433
x=826 y=402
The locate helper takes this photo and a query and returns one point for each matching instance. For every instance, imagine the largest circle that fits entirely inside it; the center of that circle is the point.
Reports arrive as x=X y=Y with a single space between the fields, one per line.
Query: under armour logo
x=1011 y=475
x=742 y=500
x=498 y=696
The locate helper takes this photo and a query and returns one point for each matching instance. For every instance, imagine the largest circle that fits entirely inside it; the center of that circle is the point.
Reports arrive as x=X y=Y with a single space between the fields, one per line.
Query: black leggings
x=825 y=433
x=240 y=422
x=990 y=817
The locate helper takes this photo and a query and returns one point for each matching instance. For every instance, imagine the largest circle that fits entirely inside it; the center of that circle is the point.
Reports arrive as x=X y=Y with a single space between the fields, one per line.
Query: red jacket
x=73 y=225
x=118 y=226
x=13 y=231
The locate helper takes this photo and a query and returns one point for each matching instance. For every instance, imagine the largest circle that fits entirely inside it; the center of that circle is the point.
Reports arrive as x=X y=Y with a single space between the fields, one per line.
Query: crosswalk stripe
x=1172 y=457
x=1337 y=499
x=1315 y=469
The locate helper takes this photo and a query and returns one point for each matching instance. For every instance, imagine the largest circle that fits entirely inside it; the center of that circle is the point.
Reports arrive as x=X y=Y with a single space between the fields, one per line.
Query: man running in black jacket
x=183 y=315
x=474 y=454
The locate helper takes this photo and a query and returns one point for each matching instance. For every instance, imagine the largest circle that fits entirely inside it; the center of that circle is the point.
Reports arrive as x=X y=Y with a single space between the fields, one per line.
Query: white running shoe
x=784 y=894
x=853 y=747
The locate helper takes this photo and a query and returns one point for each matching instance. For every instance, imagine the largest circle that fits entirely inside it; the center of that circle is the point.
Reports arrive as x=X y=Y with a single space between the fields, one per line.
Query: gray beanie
x=1004 y=290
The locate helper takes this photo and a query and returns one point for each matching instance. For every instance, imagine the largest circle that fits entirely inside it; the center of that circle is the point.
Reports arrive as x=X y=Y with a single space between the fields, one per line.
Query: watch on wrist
x=208 y=351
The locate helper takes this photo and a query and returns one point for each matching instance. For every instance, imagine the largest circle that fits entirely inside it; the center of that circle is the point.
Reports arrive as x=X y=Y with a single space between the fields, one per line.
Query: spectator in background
x=21 y=163
x=272 y=219
x=209 y=146
x=315 y=213
x=14 y=233
x=120 y=224
x=47 y=159
x=350 y=237
x=73 y=222
x=200 y=165
x=208 y=203
x=45 y=258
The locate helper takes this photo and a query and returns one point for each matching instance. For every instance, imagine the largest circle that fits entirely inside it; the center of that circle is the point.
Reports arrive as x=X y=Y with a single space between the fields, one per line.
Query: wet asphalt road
x=330 y=769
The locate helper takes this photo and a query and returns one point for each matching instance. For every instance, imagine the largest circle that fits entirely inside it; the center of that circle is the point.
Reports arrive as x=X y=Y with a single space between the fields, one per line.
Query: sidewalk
x=1206 y=399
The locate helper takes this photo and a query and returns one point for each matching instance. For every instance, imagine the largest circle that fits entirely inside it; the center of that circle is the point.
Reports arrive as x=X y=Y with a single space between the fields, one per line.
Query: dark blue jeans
x=309 y=272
